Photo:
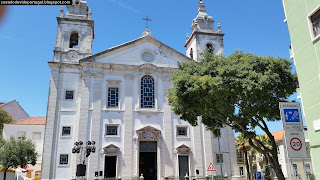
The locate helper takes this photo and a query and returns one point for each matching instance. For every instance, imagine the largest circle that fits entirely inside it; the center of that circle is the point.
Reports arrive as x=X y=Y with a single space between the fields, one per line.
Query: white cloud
x=125 y=6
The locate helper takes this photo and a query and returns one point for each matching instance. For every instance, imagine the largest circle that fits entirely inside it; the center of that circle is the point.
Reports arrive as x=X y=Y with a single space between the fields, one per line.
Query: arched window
x=147 y=92
x=191 y=53
x=74 y=38
x=210 y=48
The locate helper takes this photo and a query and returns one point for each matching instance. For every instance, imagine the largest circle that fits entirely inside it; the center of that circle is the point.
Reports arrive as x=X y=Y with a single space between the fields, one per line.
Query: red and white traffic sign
x=211 y=167
x=296 y=144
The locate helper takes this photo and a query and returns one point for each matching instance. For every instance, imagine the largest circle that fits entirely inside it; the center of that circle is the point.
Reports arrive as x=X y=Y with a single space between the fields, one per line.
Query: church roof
x=140 y=40
x=35 y=120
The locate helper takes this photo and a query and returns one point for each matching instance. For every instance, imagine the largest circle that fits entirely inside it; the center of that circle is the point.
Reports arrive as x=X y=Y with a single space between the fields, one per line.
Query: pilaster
x=168 y=132
x=198 y=148
x=51 y=127
x=96 y=129
x=128 y=156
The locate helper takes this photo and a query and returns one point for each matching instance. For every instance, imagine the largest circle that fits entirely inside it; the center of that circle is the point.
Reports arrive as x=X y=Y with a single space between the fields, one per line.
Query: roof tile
x=35 y=120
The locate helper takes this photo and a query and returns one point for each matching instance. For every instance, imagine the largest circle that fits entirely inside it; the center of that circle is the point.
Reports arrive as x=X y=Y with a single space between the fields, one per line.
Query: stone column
x=128 y=156
x=94 y=158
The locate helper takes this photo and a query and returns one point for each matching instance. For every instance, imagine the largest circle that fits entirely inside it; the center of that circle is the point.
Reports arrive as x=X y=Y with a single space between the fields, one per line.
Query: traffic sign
x=257 y=175
x=291 y=116
x=295 y=144
x=211 y=167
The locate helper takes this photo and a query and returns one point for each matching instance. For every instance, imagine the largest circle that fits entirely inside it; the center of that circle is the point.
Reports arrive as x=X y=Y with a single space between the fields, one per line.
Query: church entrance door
x=183 y=167
x=148 y=160
x=110 y=169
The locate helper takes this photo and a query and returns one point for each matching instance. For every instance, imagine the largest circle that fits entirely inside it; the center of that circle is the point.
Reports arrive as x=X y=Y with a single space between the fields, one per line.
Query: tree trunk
x=271 y=155
x=5 y=173
x=275 y=164
x=247 y=164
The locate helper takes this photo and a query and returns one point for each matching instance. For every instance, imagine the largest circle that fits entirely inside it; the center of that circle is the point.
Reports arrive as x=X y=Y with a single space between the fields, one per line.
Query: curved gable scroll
x=148 y=133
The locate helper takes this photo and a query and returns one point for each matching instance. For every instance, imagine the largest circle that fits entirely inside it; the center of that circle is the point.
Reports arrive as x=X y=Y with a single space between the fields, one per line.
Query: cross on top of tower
x=147 y=19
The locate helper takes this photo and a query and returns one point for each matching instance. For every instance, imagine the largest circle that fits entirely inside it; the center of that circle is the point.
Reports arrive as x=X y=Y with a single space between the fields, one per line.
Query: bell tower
x=204 y=36
x=75 y=33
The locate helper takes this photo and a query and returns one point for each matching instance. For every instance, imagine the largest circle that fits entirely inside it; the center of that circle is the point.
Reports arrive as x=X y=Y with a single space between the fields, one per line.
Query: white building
x=117 y=98
x=32 y=128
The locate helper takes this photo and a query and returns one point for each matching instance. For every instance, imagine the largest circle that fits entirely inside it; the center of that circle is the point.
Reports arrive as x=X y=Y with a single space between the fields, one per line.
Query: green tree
x=241 y=91
x=4 y=118
x=266 y=173
x=17 y=152
x=243 y=146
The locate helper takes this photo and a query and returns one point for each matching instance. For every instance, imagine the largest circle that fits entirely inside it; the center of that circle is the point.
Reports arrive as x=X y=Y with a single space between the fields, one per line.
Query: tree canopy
x=17 y=152
x=241 y=91
x=4 y=118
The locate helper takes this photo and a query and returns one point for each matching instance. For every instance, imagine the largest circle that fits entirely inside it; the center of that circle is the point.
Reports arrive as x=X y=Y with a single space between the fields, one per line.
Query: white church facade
x=117 y=99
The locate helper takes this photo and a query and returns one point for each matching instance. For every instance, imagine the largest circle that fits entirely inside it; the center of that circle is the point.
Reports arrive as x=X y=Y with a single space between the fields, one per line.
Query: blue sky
x=28 y=36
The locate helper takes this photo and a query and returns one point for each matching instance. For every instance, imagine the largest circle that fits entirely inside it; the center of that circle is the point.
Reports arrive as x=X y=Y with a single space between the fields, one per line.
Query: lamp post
x=220 y=155
x=79 y=148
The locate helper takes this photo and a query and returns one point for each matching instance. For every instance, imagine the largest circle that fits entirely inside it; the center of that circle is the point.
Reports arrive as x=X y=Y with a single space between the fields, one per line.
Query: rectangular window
x=111 y=130
x=295 y=170
x=182 y=131
x=219 y=158
x=66 y=131
x=308 y=167
x=254 y=168
x=36 y=136
x=69 y=95
x=278 y=149
x=315 y=20
x=239 y=155
x=241 y=171
x=64 y=159
x=113 y=97
x=21 y=134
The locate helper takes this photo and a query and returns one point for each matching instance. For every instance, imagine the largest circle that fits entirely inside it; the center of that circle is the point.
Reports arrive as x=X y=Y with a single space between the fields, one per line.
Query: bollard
x=186 y=177
x=141 y=177
x=206 y=177
x=225 y=176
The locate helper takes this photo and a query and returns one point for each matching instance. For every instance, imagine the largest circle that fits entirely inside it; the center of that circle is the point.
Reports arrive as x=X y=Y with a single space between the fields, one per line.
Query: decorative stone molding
x=111 y=149
x=183 y=149
x=113 y=83
x=128 y=76
x=148 y=133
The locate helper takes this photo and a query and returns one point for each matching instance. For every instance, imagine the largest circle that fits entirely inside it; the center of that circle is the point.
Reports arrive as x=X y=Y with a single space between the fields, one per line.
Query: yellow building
x=257 y=161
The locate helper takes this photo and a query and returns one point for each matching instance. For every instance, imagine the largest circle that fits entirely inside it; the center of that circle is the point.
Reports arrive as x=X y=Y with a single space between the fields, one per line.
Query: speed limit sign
x=296 y=144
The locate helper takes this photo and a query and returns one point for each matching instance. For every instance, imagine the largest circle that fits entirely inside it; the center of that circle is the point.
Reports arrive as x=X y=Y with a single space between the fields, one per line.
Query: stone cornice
x=135 y=43
x=85 y=20
x=193 y=35
x=88 y=65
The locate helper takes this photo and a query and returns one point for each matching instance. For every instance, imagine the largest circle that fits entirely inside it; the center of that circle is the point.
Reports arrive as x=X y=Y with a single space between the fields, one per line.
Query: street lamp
x=220 y=155
x=79 y=148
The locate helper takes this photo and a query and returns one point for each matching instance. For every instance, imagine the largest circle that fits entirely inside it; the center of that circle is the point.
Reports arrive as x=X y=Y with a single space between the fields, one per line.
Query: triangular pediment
x=111 y=148
x=183 y=149
x=133 y=54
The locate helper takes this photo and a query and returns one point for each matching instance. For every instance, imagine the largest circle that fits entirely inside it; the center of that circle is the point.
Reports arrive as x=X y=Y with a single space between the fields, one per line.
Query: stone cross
x=147 y=19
